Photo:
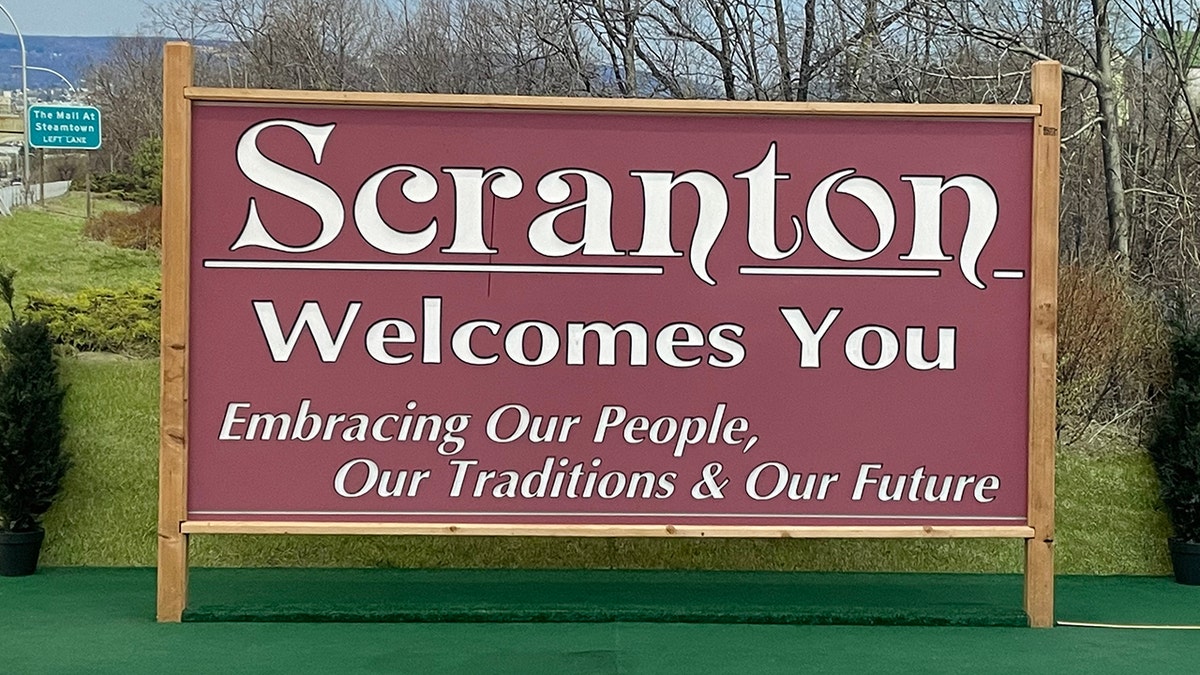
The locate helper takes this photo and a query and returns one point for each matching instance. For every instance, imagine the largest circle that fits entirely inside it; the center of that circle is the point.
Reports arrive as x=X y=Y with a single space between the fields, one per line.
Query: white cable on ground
x=1080 y=624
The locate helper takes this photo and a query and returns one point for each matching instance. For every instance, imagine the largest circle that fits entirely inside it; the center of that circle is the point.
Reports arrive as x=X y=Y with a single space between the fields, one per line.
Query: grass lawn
x=1110 y=520
x=50 y=254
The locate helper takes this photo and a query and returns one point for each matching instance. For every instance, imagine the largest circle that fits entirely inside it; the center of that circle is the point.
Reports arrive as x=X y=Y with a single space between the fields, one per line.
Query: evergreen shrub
x=32 y=459
x=1175 y=447
x=141 y=183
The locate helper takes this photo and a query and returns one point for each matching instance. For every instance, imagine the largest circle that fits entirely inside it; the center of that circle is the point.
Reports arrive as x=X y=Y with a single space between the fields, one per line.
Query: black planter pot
x=1185 y=559
x=19 y=552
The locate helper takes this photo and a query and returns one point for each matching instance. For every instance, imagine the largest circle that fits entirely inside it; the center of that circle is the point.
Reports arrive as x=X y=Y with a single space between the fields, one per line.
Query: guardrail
x=13 y=196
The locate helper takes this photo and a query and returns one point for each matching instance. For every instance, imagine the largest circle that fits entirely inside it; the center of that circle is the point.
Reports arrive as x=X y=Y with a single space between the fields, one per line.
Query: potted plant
x=1175 y=450
x=32 y=460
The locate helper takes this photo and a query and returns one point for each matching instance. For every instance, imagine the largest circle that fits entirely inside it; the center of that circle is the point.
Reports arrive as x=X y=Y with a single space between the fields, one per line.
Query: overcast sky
x=73 y=17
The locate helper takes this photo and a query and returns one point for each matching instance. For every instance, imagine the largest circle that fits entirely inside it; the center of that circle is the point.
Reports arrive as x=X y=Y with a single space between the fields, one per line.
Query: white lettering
x=288 y=182
x=310 y=317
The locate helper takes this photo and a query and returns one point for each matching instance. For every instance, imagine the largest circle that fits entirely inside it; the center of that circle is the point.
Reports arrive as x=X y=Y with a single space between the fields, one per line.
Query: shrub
x=123 y=186
x=1113 y=349
x=123 y=322
x=1175 y=447
x=140 y=229
x=32 y=460
x=142 y=183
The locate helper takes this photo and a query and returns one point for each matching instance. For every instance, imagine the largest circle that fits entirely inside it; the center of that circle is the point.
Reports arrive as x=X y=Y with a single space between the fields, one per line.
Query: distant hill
x=68 y=55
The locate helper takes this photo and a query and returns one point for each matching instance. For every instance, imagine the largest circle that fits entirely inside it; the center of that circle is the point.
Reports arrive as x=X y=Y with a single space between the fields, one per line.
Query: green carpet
x=1128 y=600
x=101 y=620
x=605 y=595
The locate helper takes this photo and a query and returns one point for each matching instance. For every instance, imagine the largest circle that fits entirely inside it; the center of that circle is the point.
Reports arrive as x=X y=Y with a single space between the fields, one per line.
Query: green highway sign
x=69 y=127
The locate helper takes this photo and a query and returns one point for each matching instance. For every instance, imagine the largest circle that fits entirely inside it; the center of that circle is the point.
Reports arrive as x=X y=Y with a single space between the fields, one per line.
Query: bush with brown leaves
x=1113 y=350
x=141 y=229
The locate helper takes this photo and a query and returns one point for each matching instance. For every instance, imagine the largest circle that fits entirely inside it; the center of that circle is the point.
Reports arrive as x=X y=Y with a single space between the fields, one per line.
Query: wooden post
x=1043 y=327
x=172 y=458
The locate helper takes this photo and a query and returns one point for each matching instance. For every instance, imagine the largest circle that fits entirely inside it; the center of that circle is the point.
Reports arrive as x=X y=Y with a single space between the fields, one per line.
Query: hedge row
x=101 y=320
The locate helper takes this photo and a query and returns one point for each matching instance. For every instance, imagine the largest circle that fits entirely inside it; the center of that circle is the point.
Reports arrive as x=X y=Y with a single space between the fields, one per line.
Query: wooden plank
x=632 y=105
x=172 y=463
x=1043 y=327
x=490 y=529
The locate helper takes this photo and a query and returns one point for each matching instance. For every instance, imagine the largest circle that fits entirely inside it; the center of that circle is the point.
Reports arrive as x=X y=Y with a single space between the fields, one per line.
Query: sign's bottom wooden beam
x=485 y=529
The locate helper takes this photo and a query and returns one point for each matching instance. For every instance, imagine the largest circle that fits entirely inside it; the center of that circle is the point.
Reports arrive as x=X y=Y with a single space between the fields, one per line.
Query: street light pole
x=52 y=71
x=24 y=97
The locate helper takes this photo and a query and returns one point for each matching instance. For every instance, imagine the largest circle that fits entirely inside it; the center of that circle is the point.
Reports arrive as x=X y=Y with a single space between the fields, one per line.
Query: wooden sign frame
x=174 y=527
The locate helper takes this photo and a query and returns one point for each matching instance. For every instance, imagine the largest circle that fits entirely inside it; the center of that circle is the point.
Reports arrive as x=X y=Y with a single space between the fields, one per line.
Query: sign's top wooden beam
x=628 y=105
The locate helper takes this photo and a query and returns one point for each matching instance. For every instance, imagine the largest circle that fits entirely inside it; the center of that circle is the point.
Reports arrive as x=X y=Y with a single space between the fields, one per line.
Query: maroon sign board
x=495 y=315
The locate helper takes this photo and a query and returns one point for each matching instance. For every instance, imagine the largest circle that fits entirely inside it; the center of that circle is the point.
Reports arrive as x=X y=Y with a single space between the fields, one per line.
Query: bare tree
x=314 y=44
x=1026 y=29
x=127 y=88
x=1131 y=121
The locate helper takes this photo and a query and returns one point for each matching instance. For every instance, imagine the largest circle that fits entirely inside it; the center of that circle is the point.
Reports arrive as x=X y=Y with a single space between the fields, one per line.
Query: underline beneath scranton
x=492 y=268
x=837 y=272
x=501 y=268
x=508 y=514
